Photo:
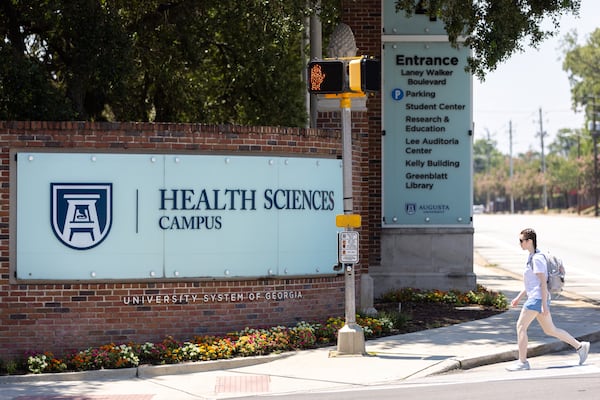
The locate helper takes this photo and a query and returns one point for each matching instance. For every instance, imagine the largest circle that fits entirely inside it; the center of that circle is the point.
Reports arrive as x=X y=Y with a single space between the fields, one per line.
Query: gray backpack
x=556 y=274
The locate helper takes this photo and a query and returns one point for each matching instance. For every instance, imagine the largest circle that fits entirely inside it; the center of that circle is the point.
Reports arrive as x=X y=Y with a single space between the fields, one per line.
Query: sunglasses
x=523 y=240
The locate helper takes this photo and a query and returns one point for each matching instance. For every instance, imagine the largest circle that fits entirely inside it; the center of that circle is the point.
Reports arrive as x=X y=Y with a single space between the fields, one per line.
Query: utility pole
x=595 y=134
x=510 y=141
x=578 y=175
x=488 y=162
x=544 y=193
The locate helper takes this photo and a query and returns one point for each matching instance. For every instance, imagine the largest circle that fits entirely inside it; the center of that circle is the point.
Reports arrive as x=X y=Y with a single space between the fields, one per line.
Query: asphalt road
x=554 y=376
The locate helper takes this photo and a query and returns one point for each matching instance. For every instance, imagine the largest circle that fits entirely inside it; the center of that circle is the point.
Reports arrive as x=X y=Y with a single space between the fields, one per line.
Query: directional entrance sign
x=428 y=135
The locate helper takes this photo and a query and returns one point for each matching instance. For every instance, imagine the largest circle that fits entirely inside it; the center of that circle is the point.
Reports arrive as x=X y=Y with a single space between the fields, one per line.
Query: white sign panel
x=428 y=134
x=124 y=216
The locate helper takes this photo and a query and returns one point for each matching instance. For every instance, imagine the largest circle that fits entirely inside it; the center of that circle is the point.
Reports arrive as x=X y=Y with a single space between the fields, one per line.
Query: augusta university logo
x=81 y=213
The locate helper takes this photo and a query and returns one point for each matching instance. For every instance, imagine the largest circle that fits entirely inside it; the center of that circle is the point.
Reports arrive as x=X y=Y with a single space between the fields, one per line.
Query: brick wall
x=60 y=317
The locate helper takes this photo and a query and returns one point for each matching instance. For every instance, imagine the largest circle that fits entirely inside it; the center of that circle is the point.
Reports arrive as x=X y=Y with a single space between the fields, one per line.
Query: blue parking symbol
x=397 y=94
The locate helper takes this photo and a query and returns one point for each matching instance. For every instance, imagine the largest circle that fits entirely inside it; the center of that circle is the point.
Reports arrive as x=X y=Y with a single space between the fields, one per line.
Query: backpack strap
x=538 y=253
x=530 y=259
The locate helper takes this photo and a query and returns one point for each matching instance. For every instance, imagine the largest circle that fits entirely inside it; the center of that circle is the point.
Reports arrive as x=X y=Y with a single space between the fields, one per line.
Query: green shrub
x=397 y=319
x=480 y=296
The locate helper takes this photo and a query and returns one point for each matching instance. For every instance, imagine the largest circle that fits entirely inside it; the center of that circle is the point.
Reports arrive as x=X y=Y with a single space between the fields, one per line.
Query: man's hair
x=530 y=234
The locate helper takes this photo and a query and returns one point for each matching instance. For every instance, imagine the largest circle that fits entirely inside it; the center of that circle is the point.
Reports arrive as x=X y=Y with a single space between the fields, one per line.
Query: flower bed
x=245 y=343
x=248 y=342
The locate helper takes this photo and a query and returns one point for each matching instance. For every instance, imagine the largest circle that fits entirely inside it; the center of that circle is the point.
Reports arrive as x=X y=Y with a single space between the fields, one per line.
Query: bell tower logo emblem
x=81 y=213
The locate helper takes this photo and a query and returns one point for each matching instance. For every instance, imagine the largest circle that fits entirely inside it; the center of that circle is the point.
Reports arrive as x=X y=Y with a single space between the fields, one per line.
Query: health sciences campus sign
x=83 y=216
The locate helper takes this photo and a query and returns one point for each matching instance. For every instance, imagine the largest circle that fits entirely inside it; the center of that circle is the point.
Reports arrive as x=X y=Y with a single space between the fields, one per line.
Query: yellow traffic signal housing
x=354 y=75
x=326 y=76
x=344 y=75
x=364 y=75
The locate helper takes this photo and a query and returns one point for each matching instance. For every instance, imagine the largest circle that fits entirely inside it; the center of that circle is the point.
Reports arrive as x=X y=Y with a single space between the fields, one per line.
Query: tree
x=486 y=155
x=566 y=143
x=527 y=181
x=78 y=49
x=569 y=173
x=581 y=63
x=489 y=172
x=494 y=29
x=152 y=60
x=220 y=62
x=204 y=61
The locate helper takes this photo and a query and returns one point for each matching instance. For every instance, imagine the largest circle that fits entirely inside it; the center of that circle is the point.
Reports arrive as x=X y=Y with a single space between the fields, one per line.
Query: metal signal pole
x=351 y=338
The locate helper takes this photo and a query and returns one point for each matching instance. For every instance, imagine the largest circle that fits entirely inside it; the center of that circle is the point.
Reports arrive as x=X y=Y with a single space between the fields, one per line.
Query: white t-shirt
x=536 y=263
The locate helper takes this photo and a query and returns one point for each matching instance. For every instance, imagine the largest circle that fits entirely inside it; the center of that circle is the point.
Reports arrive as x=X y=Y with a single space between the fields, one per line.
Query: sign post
x=351 y=338
x=346 y=77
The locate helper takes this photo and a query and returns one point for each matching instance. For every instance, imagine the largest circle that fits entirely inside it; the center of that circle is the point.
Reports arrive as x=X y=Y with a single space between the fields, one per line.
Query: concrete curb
x=450 y=364
x=102 y=374
x=149 y=371
x=146 y=371
x=465 y=363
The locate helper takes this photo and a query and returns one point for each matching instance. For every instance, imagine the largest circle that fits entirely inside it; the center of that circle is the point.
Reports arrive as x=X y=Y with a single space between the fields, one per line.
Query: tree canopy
x=494 y=29
x=206 y=61
x=152 y=60
x=569 y=175
x=581 y=63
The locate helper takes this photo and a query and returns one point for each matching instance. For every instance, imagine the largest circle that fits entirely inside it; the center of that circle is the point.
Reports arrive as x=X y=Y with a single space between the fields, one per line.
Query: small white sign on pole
x=348 y=247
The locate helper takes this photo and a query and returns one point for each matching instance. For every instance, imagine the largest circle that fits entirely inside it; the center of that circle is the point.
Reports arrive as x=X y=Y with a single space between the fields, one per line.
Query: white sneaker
x=519 y=366
x=583 y=352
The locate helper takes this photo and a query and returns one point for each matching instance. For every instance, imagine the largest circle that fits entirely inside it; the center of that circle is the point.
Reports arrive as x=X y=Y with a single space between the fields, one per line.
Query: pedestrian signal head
x=326 y=76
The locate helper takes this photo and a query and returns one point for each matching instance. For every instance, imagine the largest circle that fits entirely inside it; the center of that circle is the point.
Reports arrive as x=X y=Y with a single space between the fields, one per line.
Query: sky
x=527 y=82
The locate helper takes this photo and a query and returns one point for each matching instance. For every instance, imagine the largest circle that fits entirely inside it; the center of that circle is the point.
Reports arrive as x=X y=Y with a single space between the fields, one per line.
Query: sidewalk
x=391 y=359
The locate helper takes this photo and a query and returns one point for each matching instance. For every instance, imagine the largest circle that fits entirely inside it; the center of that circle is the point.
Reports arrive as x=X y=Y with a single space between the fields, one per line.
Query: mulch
x=422 y=316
